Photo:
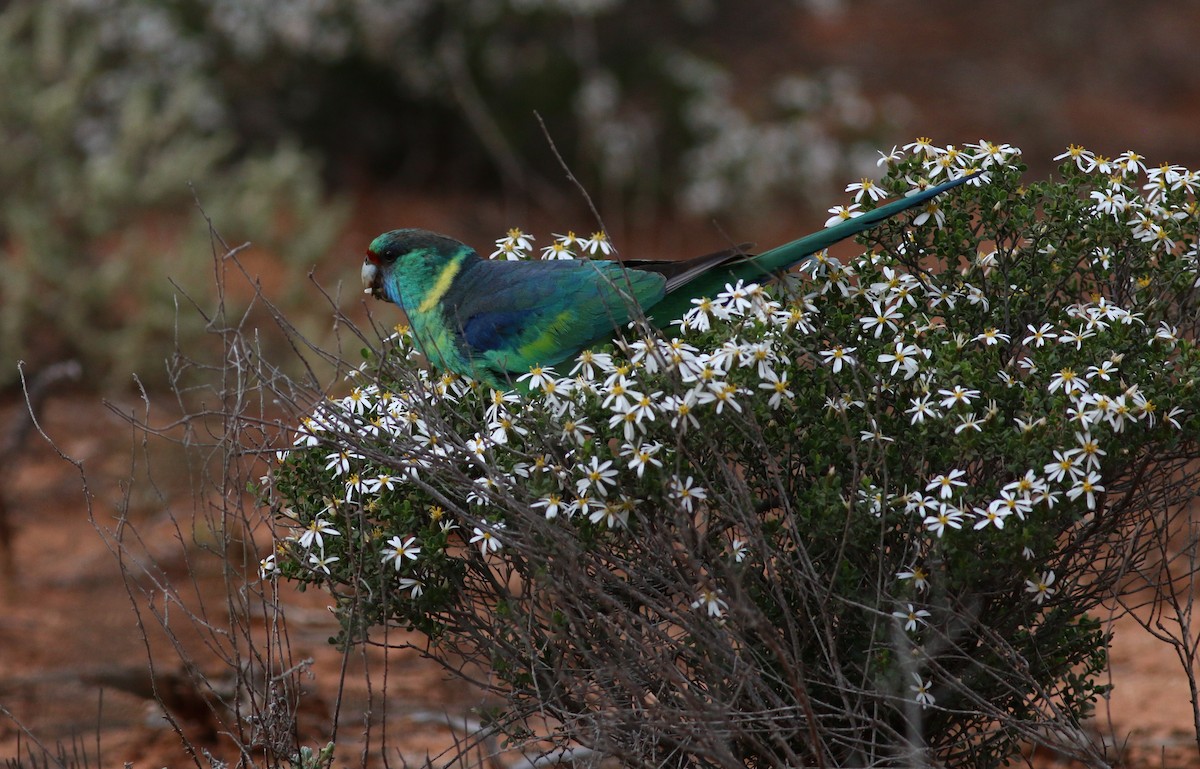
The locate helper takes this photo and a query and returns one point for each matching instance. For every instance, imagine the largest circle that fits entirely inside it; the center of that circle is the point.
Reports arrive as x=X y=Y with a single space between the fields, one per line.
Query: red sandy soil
x=73 y=659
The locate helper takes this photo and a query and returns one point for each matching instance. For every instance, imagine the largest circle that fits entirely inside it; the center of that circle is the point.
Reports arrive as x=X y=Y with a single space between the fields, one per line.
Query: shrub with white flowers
x=855 y=517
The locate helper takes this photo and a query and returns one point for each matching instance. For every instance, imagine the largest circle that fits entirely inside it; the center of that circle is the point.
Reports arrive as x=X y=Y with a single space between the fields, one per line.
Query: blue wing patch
x=494 y=330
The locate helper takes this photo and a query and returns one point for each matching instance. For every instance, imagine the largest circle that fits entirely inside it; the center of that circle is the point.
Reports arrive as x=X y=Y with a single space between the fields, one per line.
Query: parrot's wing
x=685 y=271
x=515 y=315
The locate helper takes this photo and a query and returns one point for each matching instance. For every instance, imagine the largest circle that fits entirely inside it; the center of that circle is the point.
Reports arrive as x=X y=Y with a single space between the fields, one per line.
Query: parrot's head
x=408 y=263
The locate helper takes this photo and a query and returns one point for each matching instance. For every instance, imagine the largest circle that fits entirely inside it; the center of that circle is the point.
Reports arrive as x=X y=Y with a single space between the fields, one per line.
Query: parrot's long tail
x=764 y=266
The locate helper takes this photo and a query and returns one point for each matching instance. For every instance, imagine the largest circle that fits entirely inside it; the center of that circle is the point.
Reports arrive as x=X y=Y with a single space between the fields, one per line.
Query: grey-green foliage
x=640 y=97
x=113 y=111
x=112 y=126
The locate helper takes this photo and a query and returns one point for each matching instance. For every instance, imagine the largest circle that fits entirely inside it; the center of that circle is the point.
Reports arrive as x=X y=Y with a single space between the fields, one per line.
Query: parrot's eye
x=384 y=256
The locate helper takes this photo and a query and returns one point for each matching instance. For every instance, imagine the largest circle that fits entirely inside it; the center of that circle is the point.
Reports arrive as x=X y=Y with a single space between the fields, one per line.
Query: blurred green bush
x=113 y=126
x=685 y=102
x=118 y=114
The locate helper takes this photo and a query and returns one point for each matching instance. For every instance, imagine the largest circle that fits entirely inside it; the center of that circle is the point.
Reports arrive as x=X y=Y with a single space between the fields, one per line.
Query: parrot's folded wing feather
x=492 y=330
x=514 y=315
x=681 y=272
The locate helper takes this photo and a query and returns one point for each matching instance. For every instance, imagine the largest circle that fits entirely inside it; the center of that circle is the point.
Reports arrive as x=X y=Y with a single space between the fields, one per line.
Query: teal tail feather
x=768 y=264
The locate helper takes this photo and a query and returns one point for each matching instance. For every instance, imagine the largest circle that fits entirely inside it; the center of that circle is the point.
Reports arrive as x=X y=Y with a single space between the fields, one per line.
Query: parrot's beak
x=371 y=275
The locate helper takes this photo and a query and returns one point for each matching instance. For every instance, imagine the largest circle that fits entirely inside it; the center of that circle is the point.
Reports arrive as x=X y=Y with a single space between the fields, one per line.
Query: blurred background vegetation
x=300 y=126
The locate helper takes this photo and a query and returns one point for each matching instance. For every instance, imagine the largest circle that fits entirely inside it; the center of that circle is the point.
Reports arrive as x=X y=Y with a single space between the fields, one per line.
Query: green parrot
x=495 y=320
